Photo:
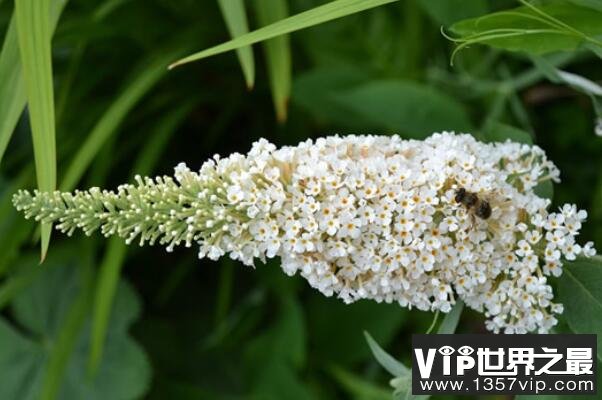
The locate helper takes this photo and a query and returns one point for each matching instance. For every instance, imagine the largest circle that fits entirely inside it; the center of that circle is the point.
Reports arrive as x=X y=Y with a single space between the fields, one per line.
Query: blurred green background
x=175 y=327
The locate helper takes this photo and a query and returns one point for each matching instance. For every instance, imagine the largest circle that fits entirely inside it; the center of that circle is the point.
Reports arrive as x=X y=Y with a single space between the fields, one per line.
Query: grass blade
x=236 y=20
x=146 y=76
x=327 y=12
x=110 y=268
x=12 y=87
x=34 y=34
x=278 y=54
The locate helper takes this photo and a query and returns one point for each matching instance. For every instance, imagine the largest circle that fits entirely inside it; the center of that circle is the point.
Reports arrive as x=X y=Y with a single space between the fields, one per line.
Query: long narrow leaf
x=278 y=54
x=110 y=268
x=150 y=72
x=235 y=16
x=34 y=34
x=12 y=87
x=386 y=360
x=450 y=322
x=315 y=16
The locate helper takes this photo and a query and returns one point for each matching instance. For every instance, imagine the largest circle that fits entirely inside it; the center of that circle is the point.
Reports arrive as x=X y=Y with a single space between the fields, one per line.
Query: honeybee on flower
x=360 y=217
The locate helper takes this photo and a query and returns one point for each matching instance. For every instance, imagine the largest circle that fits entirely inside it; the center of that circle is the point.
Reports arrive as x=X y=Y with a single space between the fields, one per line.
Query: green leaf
x=387 y=361
x=383 y=321
x=580 y=290
x=540 y=30
x=276 y=380
x=409 y=108
x=17 y=282
x=359 y=388
x=47 y=355
x=285 y=340
x=446 y=12
x=145 y=77
x=450 y=322
x=318 y=15
x=315 y=91
x=278 y=54
x=13 y=96
x=235 y=16
x=34 y=33
x=499 y=132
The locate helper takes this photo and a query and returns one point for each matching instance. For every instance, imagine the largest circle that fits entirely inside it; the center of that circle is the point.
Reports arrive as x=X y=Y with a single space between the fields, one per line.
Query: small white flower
x=362 y=217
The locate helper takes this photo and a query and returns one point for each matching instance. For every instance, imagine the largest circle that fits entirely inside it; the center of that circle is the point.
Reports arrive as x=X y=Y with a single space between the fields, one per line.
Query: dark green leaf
x=524 y=29
x=360 y=388
x=580 y=290
x=386 y=360
x=499 y=132
x=408 y=108
x=383 y=321
x=44 y=313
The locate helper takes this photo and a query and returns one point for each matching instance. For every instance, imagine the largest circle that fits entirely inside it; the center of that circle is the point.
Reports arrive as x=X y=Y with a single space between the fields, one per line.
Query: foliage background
x=180 y=328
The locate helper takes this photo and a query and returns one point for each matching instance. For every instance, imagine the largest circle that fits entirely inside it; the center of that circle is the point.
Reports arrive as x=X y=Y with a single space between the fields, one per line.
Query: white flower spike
x=420 y=223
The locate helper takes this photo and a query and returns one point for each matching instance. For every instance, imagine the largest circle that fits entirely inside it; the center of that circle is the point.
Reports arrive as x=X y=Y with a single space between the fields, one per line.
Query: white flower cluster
x=362 y=217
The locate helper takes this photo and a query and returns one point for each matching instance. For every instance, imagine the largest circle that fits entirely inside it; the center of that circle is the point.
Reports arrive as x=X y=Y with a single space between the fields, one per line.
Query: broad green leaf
x=540 y=30
x=12 y=87
x=360 y=388
x=66 y=338
x=409 y=108
x=450 y=322
x=235 y=16
x=17 y=282
x=386 y=360
x=500 y=132
x=53 y=333
x=383 y=321
x=318 y=15
x=446 y=12
x=146 y=75
x=34 y=33
x=580 y=290
x=276 y=380
x=278 y=54
x=285 y=340
x=315 y=91
x=114 y=256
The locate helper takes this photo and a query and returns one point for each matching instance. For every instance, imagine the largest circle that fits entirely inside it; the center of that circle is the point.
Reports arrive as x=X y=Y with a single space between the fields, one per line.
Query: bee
x=481 y=208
